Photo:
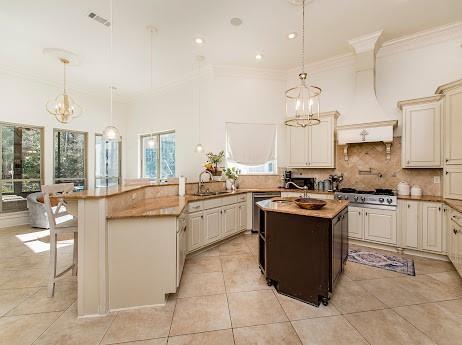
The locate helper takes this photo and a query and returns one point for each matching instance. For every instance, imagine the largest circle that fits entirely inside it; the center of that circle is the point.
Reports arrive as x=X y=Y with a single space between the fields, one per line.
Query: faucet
x=200 y=184
x=305 y=188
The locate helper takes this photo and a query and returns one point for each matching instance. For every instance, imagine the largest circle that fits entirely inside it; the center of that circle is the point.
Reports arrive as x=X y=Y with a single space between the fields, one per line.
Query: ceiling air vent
x=99 y=19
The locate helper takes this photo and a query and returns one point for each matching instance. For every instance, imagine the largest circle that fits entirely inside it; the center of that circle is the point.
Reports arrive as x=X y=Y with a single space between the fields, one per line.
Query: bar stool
x=60 y=222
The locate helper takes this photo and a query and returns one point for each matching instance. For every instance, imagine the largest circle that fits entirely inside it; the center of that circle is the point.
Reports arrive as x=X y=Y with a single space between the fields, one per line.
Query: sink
x=213 y=193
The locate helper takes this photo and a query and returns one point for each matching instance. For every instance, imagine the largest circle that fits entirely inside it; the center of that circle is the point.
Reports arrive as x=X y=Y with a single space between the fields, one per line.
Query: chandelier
x=63 y=107
x=303 y=100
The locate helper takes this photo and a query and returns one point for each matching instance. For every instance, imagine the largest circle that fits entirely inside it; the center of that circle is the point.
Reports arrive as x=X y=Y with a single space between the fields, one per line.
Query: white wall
x=23 y=102
x=226 y=97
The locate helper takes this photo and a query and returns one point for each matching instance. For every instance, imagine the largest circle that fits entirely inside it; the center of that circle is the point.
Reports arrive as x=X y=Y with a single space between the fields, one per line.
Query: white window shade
x=250 y=144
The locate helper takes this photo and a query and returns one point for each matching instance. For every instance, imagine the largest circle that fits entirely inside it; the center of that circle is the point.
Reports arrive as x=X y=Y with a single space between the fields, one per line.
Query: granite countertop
x=455 y=204
x=434 y=198
x=332 y=208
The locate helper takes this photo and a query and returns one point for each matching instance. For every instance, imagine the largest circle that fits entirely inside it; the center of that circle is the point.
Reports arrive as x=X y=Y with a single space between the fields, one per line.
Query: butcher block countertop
x=330 y=210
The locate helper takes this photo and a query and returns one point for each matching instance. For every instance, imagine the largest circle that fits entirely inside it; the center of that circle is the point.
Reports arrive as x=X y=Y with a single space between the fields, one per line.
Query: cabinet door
x=453 y=181
x=380 y=225
x=242 y=216
x=195 y=232
x=297 y=147
x=410 y=223
x=355 y=222
x=453 y=126
x=432 y=234
x=422 y=136
x=455 y=241
x=321 y=144
x=336 y=248
x=212 y=225
x=229 y=217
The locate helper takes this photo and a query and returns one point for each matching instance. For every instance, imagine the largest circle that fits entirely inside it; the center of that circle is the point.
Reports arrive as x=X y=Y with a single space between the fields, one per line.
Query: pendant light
x=199 y=148
x=111 y=133
x=63 y=107
x=303 y=100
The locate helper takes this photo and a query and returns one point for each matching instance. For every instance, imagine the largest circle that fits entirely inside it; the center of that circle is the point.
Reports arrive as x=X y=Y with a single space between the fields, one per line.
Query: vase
x=229 y=184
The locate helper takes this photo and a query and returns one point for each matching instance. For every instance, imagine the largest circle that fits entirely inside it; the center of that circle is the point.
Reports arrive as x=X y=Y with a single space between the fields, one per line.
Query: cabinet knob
x=408 y=206
x=446 y=172
x=439 y=209
x=408 y=162
x=447 y=160
x=455 y=231
x=202 y=217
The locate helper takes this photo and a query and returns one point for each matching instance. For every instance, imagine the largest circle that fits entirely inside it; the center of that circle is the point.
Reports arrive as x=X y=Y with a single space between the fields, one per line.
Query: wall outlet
x=436 y=179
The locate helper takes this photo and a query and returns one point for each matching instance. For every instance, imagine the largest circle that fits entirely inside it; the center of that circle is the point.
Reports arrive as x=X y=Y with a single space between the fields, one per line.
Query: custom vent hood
x=373 y=125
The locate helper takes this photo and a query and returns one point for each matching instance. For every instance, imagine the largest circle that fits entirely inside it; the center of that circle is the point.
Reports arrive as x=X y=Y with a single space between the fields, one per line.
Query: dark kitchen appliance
x=299 y=180
x=256 y=211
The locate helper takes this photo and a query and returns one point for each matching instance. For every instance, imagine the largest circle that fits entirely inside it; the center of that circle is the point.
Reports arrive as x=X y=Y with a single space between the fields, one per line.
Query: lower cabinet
x=371 y=224
x=380 y=225
x=215 y=223
x=455 y=239
x=422 y=226
x=452 y=181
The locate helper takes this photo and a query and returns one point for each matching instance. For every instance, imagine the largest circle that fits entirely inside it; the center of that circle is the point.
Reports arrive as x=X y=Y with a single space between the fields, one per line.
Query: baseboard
x=14 y=219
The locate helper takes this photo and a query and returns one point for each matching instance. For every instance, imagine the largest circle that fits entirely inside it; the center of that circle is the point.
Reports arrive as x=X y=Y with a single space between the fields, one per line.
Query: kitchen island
x=303 y=252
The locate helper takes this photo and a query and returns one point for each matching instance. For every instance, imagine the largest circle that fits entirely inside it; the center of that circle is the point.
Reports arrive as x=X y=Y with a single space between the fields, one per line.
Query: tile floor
x=223 y=299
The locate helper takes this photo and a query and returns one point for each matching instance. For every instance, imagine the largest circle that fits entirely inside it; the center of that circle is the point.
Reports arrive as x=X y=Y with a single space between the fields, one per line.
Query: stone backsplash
x=362 y=157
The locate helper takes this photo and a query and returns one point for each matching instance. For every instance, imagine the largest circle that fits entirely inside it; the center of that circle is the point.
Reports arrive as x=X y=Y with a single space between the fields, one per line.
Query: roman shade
x=250 y=143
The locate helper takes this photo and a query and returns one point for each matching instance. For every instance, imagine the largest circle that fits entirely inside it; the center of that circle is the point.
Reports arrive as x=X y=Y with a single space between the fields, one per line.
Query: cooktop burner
x=378 y=191
x=382 y=197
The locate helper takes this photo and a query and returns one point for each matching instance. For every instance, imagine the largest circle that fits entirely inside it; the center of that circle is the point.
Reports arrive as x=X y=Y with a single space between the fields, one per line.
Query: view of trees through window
x=158 y=155
x=107 y=163
x=70 y=158
x=20 y=165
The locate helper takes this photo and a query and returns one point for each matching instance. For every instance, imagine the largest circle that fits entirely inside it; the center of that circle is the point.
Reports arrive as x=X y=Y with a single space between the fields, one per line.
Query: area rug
x=384 y=261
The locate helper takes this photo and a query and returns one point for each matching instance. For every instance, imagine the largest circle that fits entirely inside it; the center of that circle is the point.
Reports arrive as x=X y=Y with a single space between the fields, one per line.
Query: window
x=251 y=147
x=70 y=158
x=21 y=165
x=107 y=162
x=158 y=155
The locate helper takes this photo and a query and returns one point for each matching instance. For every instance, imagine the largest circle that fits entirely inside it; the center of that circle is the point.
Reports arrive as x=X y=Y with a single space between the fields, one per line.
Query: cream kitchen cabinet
x=455 y=240
x=313 y=146
x=452 y=181
x=229 y=220
x=422 y=226
x=212 y=225
x=421 y=139
x=195 y=230
x=374 y=225
x=241 y=210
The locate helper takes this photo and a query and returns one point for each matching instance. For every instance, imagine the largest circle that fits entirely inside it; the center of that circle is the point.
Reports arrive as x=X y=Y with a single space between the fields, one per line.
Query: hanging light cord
x=110 y=57
x=199 y=101
x=150 y=59
x=65 y=90
x=303 y=36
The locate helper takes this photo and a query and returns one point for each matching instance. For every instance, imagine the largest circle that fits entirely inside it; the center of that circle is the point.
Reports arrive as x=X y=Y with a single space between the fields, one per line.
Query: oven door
x=256 y=211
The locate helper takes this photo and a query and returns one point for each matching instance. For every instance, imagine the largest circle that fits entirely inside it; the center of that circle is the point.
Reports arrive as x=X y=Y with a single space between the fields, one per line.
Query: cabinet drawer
x=212 y=203
x=195 y=206
x=242 y=197
x=229 y=200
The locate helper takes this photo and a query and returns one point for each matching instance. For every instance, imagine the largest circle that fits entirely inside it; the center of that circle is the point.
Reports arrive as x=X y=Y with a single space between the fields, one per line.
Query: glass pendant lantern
x=303 y=100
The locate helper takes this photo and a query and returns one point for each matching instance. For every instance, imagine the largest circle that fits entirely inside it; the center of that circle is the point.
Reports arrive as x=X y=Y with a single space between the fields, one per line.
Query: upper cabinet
x=313 y=146
x=421 y=137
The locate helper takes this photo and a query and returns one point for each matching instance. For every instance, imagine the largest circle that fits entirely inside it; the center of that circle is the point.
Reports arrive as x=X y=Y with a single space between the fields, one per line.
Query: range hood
x=372 y=123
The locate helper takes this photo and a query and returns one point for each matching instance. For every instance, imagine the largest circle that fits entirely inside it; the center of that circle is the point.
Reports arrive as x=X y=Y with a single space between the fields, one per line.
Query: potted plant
x=231 y=175
x=212 y=162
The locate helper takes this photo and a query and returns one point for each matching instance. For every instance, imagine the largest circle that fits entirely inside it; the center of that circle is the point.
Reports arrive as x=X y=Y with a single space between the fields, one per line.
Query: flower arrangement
x=231 y=173
x=212 y=162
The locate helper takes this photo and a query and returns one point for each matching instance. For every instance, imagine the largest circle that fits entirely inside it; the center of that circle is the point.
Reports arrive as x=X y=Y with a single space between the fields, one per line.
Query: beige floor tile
x=140 y=324
x=70 y=330
x=203 y=264
x=333 y=330
x=26 y=278
x=255 y=308
x=349 y=297
x=272 y=334
x=65 y=295
x=193 y=285
x=24 y=329
x=245 y=280
x=297 y=310
x=451 y=279
x=239 y=262
x=453 y=306
x=234 y=247
x=159 y=341
x=385 y=327
x=200 y=314
x=223 y=337
x=209 y=252
x=426 y=266
x=12 y=297
x=356 y=271
x=436 y=321
x=410 y=290
x=13 y=251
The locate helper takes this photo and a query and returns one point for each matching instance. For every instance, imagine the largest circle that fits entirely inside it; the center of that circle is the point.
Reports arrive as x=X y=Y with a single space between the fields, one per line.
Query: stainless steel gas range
x=384 y=199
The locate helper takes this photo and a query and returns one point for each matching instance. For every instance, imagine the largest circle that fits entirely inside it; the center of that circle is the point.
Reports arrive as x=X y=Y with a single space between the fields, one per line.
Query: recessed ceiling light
x=236 y=21
x=259 y=56
x=199 y=40
x=292 y=35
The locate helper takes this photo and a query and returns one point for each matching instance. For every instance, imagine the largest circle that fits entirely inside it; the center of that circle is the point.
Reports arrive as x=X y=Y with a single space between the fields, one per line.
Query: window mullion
x=158 y=157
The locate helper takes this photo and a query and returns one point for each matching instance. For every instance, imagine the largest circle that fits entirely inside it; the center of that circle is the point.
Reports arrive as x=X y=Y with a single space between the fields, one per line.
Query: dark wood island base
x=302 y=253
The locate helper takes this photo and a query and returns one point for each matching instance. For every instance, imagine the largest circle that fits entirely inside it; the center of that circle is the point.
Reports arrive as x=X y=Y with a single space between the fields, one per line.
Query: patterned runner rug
x=384 y=261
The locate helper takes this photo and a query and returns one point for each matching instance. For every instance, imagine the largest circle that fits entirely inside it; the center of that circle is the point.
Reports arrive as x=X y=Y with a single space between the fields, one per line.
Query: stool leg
x=52 y=268
x=75 y=252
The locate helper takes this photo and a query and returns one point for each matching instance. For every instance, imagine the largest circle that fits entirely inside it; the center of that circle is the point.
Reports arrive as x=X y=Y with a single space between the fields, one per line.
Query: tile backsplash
x=362 y=157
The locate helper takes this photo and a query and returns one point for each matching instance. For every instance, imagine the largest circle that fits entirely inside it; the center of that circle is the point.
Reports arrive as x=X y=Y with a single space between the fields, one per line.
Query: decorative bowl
x=310 y=203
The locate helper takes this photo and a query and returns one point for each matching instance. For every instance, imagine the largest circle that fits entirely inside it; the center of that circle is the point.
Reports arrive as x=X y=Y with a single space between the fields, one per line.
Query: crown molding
x=421 y=39
x=325 y=64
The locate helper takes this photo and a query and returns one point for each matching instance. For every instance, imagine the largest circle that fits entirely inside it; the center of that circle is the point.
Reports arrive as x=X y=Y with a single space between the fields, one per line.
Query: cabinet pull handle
x=447 y=172
x=408 y=206
x=202 y=217
x=439 y=209
x=455 y=231
x=366 y=213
